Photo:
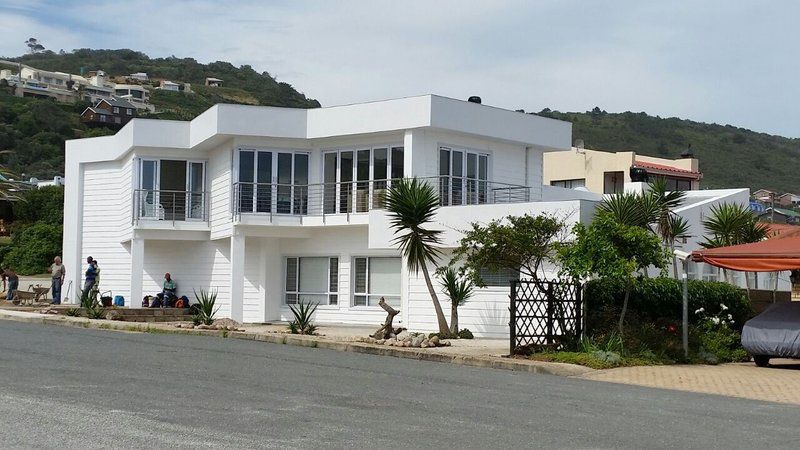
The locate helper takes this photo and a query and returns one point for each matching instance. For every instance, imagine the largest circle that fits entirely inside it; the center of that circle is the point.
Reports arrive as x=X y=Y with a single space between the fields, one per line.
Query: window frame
x=474 y=189
x=370 y=184
x=298 y=193
x=568 y=183
x=332 y=297
x=372 y=299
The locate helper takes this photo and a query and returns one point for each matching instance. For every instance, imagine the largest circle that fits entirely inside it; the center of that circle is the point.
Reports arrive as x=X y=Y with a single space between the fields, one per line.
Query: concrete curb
x=494 y=362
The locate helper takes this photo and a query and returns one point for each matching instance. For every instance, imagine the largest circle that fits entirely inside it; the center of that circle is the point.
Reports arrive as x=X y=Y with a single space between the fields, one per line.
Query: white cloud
x=717 y=62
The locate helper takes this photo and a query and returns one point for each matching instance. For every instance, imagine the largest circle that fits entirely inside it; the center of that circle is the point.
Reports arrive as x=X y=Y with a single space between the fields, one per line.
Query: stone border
x=495 y=362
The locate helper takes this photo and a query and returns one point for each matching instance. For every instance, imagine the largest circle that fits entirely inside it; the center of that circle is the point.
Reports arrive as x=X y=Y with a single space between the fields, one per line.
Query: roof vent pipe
x=474 y=99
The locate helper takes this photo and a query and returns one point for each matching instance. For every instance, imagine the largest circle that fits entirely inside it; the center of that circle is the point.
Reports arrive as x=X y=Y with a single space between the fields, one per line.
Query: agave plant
x=303 y=320
x=206 y=306
x=73 y=312
x=95 y=311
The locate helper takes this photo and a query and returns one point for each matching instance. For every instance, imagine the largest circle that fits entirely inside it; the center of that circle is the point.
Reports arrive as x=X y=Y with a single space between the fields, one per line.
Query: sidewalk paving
x=780 y=383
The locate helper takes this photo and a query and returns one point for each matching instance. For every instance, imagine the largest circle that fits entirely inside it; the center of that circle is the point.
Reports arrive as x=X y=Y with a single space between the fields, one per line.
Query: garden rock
x=226 y=324
x=403 y=335
x=434 y=340
x=113 y=315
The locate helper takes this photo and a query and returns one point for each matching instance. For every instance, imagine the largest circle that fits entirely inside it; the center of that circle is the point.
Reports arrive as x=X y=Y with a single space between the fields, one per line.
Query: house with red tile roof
x=608 y=172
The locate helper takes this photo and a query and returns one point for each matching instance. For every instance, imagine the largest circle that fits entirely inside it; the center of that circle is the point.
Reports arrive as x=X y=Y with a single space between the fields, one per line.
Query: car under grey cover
x=775 y=332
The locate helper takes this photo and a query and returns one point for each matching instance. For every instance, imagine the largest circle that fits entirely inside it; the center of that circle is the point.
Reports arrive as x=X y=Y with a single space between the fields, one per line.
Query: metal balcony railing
x=174 y=206
x=362 y=196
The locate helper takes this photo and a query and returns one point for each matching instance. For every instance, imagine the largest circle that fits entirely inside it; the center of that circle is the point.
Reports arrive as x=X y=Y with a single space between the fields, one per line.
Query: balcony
x=353 y=197
x=169 y=207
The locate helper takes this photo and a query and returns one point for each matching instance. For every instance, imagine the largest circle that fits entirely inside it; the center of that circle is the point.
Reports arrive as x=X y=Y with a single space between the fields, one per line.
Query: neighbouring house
x=788 y=199
x=269 y=206
x=112 y=112
x=764 y=195
x=166 y=85
x=609 y=172
x=780 y=215
x=213 y=82
x=134 y=93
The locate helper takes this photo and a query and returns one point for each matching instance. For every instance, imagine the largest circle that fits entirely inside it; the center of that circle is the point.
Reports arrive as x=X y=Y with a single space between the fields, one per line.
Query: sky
x=714 y=61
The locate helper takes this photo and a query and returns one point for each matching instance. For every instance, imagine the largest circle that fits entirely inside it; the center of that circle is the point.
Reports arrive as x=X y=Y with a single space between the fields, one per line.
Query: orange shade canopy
x=771 y=255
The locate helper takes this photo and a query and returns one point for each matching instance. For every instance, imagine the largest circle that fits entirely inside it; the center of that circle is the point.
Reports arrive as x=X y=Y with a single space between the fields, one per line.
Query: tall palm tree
x=411 y=204
x=459 y=289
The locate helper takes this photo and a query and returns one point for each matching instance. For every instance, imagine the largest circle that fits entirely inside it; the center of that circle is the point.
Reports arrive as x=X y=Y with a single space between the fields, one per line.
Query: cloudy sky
x=714 y=61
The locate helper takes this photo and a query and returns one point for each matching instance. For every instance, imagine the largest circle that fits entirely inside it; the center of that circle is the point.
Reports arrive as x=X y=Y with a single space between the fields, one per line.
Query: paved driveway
x=70 y=387
x=779 y=383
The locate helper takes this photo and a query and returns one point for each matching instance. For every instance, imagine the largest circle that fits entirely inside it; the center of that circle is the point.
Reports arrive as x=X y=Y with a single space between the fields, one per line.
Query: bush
x=465 y=334
x=659 y=301
x=33 y=248
x=45 y=205
x=717 y=343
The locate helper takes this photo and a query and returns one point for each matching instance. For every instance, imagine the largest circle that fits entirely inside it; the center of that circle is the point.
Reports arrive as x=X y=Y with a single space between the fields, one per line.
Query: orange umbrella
x=772 y=255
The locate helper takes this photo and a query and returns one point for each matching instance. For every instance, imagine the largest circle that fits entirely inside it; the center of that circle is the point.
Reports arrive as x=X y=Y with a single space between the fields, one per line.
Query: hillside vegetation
x=241 y=84
x=729 y=156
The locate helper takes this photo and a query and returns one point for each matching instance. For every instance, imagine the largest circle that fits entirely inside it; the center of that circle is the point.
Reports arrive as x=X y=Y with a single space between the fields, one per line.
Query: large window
x=463 y=176
x=356 y=179
x=678 y=184
x=376 y=277
x=569 y=184
x=272 y=181
x=313 y=280
x=171 y=189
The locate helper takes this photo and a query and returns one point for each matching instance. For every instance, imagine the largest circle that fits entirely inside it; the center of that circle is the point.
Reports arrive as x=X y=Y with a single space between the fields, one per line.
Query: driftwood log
x=386 y=330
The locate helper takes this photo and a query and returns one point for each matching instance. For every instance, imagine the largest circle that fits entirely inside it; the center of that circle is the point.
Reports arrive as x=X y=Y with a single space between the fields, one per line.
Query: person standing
x=57 y=272
x=13 y=283
x=90 y=277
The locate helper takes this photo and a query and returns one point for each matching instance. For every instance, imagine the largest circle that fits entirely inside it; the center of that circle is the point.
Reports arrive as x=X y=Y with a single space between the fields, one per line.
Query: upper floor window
x=129 y=111
x=569 y=184
x=272 y=181
x=356 y=179
x=116 y=110
x=463 y=176
x=171 y=189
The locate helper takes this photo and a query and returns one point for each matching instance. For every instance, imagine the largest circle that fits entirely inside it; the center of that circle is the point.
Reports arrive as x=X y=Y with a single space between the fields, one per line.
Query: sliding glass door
x=171 y=189
x=272 y=181
x=356 y=180
x=463 y=177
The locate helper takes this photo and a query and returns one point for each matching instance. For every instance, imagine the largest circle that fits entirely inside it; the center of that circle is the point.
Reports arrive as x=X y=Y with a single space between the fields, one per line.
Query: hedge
x=661 y=299
x=33 y=248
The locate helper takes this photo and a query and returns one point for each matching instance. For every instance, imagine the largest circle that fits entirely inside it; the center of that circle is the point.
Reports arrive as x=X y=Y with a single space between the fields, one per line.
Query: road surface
x=68 y=388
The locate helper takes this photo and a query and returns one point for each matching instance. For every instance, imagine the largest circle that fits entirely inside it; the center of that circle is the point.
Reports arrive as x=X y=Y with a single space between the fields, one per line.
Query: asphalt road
x=67 y=388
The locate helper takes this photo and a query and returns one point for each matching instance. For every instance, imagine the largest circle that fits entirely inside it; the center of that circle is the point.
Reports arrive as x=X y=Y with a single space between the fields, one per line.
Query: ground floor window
x=501 y=277
x=312 y=280
x=376 y=277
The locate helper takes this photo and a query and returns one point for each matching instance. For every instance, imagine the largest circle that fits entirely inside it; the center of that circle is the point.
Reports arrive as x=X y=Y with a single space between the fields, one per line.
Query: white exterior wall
x=105 y=224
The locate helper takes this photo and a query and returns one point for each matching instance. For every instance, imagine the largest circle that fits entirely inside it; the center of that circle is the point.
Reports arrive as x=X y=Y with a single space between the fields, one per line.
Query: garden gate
x=544 y=314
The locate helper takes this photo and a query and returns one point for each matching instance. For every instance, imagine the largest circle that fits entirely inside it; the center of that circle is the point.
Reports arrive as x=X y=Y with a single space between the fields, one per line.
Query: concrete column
x=137 y=272
x=415 y=155
x=237 y=276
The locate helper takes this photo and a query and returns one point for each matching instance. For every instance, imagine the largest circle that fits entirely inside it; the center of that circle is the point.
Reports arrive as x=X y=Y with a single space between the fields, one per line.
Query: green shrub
x=45 y=205
x=303 y=318
x=717 y=343
x=33 y=248
x=73 y=312
x=659 y=301
x=206 y=307
x=465 y=334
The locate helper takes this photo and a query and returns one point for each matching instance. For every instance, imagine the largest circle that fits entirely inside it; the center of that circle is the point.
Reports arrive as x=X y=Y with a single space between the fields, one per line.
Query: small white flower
x=715 y=320
x=700 y=311
x=723 y=306
x=730 y=317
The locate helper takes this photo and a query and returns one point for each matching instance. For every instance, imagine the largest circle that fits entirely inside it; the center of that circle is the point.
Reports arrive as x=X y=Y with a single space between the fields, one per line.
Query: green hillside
x=729 y=156
x=241 y=84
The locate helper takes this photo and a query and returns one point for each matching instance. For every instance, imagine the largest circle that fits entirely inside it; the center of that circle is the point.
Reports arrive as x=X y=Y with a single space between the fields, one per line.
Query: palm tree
x=677 y=228
x=732 y=224
x=411 y=204
x=459 y=289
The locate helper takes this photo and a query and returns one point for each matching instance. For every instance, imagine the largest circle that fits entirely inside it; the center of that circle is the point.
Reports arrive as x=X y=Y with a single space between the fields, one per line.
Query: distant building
x=764 y=195
x=608 y=172
x=781 y=215
x=134 y=93
x=788 y=199
x=139 y=76
x=112 y=112
x=213 y=82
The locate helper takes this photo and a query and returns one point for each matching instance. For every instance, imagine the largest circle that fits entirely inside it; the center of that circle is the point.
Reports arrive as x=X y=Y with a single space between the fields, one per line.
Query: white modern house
x=271 y=205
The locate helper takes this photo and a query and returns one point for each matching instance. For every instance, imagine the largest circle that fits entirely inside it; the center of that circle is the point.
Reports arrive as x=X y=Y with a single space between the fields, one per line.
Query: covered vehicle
x=773 y=333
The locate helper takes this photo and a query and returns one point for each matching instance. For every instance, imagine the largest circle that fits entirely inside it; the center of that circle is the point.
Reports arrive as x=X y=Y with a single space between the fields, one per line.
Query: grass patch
x=594 y=361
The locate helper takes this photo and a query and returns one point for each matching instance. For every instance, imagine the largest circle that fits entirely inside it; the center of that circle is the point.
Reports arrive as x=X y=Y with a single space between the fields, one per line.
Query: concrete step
x=148 y=319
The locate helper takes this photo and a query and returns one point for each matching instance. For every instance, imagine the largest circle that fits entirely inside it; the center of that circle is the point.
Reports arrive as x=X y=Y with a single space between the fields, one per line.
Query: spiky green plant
x=459 y=289
x=412 y=204
x=303 y=313
x=732 y=224
x=95 y=311
x=73 y=312
x=206 y=306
